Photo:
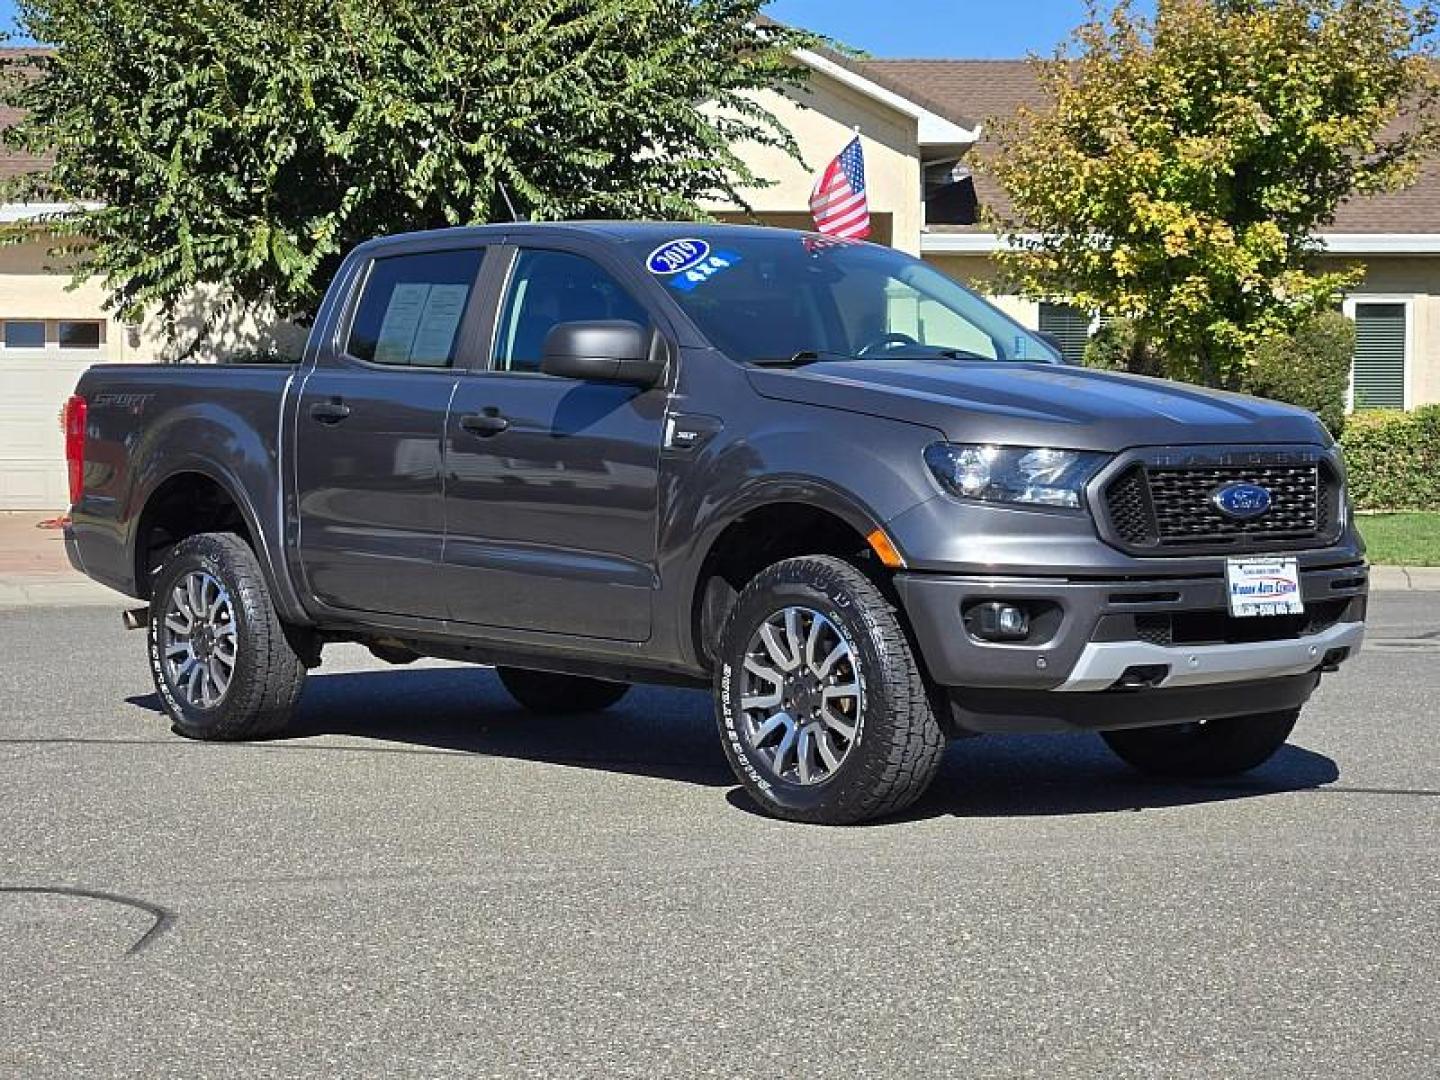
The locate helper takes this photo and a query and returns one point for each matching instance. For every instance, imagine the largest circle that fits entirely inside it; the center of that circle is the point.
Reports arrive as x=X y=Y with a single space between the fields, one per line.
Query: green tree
x=249 y=145
x=1184 y=163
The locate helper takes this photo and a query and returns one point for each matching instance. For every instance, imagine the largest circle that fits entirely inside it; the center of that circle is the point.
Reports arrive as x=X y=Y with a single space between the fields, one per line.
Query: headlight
x=1036 y=476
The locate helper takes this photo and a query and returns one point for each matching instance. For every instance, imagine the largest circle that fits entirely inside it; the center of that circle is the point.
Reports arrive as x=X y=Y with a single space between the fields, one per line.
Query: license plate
x=1263 y=587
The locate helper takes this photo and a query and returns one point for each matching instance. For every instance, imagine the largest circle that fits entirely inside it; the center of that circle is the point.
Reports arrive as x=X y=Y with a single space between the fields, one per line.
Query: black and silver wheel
x=219 y=656
x=199 y=639
x=1204 y=748
x=823 y=710
x=548 y=692
x=800 y=702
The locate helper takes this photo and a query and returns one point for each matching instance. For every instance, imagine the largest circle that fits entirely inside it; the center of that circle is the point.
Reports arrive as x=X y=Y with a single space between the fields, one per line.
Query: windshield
x=793 y=297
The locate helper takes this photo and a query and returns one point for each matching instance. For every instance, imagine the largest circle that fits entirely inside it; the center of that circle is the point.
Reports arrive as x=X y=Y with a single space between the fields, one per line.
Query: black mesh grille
x=1170 y=507
x=1128 y=499
x=1154 y=629
x=1220 y=628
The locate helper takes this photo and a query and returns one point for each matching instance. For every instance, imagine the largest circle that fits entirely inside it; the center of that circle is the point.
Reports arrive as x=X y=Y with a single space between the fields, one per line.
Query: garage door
x=34 y=384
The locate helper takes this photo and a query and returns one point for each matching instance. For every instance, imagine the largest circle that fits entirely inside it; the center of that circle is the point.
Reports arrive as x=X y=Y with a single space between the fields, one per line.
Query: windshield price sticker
x=1263 y=587
x=703 y=270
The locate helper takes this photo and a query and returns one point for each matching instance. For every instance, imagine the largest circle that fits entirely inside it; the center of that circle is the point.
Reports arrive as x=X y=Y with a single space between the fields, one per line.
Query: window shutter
x=1380 y=331
x=1069 y=325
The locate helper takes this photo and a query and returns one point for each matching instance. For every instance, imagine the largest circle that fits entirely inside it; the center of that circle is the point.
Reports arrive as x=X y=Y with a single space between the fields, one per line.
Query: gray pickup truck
x=868 y=508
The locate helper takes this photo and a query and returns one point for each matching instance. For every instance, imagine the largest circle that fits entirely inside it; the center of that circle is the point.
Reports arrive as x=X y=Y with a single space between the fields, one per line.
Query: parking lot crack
x=163 y=918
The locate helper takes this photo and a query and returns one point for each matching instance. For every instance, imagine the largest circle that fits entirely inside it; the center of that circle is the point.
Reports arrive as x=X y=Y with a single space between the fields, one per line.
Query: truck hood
x=1039 y=404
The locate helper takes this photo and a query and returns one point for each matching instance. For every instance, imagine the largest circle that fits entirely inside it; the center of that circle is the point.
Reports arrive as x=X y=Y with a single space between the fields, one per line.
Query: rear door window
x=412 y=307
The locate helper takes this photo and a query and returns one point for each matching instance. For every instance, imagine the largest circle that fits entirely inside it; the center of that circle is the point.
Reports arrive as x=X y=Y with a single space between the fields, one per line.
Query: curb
x=1405 y=578
x=33 y=591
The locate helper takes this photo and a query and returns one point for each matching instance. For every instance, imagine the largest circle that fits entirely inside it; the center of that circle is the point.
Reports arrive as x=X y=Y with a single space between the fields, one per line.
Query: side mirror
x=608 y=351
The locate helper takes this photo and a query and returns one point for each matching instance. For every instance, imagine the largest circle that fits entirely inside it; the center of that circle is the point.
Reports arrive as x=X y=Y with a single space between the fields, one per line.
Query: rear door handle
x=486 y=423
x=330 y=412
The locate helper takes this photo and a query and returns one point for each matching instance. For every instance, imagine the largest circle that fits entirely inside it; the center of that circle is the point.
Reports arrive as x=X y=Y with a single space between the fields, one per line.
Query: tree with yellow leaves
x=1185 y=163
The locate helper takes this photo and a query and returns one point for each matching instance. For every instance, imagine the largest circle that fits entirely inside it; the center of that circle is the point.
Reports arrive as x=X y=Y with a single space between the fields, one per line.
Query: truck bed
x=142 y=418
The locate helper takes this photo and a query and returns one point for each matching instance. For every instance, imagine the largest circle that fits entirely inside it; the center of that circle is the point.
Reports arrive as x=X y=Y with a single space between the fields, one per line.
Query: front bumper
x=1166 y=646
x=1103 y=664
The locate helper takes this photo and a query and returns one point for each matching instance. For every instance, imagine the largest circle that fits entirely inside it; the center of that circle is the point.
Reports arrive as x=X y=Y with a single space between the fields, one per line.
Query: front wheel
x=824 y=713
x=1204 y=748
x=218 y=652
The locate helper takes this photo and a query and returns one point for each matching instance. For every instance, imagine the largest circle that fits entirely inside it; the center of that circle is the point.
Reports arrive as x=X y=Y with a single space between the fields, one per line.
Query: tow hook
x=136 y=618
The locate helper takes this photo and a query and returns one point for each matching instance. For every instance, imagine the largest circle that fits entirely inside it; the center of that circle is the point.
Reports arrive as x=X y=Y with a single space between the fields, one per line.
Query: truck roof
x=614 y=231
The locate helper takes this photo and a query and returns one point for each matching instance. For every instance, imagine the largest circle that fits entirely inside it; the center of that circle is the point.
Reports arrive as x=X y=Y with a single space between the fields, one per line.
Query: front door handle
x=330 y=412
x=485 y=424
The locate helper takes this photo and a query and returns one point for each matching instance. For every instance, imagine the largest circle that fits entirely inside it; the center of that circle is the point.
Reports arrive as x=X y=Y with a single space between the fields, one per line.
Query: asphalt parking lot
x=425 y=880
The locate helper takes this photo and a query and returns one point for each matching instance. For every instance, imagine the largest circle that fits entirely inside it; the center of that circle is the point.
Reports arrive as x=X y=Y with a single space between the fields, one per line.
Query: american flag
x=838 y=202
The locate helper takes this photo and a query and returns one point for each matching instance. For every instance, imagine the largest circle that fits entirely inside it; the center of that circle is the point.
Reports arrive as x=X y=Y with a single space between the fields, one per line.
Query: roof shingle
x=995 y=89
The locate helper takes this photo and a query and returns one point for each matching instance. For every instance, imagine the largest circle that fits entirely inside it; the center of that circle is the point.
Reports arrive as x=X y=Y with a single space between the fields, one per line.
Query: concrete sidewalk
x=34 y=571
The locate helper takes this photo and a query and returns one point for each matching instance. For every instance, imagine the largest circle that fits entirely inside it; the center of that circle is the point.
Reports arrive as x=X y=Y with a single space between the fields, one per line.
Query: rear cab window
x=411 y=308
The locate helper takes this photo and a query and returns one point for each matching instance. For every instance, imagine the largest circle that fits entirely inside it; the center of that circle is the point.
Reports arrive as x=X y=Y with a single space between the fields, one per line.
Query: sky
x=938 y=28
x=944 y=28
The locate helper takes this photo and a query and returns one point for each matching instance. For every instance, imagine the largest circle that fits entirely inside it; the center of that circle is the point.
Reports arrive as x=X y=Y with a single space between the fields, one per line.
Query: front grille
x=1166 y=507
x=1221 y=628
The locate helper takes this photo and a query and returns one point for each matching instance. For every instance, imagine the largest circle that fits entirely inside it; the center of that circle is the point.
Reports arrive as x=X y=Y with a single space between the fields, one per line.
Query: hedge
x=1310 y=369
x=1393 y=459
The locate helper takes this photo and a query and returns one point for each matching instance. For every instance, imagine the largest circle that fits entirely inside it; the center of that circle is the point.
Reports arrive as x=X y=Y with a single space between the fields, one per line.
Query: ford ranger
x=865 y=506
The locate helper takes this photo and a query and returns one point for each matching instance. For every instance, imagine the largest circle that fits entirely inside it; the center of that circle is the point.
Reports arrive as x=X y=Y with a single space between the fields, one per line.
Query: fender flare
x=797 y=490
x=276 y=579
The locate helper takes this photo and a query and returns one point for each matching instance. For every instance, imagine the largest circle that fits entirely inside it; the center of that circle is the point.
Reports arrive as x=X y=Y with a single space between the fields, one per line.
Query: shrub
x=1119 y=346
x=1394 y=459
x=1310 y=369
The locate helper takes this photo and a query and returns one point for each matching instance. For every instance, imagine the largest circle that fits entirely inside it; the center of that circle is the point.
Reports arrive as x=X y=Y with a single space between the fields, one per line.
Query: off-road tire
x=268 y=674
x=1210 y=748
x=551 y=693
x=898 y=743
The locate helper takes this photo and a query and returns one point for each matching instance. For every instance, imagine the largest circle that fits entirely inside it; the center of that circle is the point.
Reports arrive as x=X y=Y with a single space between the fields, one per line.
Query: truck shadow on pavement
x=670 y=734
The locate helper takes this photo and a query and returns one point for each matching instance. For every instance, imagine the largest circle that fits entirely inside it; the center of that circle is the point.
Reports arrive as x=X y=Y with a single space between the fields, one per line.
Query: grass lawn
x=1409 y=539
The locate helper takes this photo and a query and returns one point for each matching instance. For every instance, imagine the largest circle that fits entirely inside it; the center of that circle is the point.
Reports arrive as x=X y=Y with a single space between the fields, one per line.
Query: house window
x=1068 y=325
x=78 y=335
x=1382 y=331
x=24 y=334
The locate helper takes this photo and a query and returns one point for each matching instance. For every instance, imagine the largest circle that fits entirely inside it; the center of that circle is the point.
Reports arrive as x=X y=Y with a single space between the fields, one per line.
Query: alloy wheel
x=199 y=640
x=801 y=695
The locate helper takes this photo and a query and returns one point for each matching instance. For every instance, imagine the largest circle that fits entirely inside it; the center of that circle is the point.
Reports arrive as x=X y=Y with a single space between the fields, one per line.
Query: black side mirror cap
x=605 y=351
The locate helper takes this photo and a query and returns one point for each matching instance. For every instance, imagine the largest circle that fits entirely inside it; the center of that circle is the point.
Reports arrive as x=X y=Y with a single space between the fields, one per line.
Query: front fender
x=863 y=470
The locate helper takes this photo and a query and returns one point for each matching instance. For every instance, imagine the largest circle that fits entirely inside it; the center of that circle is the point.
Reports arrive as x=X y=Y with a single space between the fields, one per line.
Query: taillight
x=75 y=411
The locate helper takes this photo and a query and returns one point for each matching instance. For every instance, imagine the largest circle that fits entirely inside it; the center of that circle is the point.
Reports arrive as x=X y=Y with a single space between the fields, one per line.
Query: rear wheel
x=547 y=692
x=823 y=710
x=1204 y=748
x=221 y=662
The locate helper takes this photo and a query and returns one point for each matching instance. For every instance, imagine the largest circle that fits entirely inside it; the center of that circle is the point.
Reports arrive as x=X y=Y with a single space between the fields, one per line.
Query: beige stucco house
x=920 y=121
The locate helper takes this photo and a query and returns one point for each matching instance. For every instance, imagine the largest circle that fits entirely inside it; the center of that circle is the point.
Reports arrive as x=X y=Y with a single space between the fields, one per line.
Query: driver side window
x=552 y=287
x=876 y=307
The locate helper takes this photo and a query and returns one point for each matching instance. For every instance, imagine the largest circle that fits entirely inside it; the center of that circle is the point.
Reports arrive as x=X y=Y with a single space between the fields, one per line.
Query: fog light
x=998 y=621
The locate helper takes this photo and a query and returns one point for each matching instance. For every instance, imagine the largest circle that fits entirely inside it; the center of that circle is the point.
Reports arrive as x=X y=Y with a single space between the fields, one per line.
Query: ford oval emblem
x=1242 y=501
x=677 y=255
